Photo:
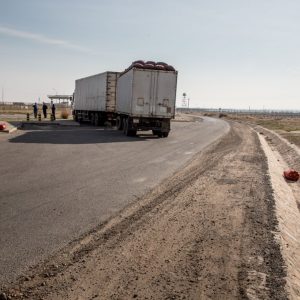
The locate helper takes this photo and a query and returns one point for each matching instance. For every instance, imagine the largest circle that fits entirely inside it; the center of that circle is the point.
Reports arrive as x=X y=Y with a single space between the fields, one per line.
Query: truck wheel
x=119 y=123
x=97 y=120
x=126 y=129
x=125 y=126
x=132 y=132
x=165 y=134
x=92 y=119
x=155 y=132
x=101 y=119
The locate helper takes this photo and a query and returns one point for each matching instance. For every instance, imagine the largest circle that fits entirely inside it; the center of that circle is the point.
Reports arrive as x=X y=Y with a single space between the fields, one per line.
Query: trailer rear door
x=164 y=94
x=154 y=93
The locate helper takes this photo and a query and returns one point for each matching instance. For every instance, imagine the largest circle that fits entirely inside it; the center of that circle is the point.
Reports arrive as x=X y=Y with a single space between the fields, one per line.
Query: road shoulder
x=208 y=232
x=282 y=156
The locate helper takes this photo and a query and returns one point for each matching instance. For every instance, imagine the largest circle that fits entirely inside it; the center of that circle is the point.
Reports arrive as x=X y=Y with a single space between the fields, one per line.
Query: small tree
x=64 y=114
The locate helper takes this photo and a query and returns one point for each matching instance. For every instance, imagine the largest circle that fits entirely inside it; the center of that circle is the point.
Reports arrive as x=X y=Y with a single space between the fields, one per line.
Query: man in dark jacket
x=45 y=107
x=35 y=109
x=53 y=110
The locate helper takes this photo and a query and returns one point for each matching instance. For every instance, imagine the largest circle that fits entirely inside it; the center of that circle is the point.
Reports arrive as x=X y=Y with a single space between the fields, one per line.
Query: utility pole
x=183 y=100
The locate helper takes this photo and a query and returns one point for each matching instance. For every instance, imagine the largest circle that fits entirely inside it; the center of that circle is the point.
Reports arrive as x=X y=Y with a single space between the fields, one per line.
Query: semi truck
x=138 y=99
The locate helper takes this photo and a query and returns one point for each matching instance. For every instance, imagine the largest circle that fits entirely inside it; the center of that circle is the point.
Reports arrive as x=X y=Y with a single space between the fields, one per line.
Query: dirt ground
x=186 y=118
x=287 y=127
x=283 y=155
x=17 y=114
x=208 y=232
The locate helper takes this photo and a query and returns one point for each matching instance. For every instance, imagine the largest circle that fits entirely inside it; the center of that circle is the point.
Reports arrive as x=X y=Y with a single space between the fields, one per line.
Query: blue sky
x=233 y=53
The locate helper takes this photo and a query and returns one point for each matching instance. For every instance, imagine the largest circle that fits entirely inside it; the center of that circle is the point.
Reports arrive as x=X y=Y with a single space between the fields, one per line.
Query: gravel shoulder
x=281 y=156
x=207 y=232
x=59 y=182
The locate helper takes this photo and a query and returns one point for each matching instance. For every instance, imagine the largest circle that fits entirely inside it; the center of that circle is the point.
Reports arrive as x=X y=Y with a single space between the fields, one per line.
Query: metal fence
x=264 y=112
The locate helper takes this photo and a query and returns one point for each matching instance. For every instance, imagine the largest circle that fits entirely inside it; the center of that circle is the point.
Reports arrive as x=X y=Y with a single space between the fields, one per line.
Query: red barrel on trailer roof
x=138 y=65
x=162 y=63
x=170 y=68
x=138 y=62
x=160 y=67
x=149 y=66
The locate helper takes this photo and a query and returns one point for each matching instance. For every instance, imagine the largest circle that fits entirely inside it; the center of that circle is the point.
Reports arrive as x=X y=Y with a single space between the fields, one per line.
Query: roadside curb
x=50 y=123
x=10 y=128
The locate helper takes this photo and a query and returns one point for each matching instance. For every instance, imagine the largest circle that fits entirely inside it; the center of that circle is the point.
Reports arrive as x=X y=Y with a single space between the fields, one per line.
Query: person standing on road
x=45 y=107
x=53 y=110
x=35 y=110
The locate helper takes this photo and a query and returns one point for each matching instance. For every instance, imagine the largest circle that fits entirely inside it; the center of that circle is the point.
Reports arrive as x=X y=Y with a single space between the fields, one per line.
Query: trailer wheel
x=155 y=132
x=101 y=119
x=132 y=132
x=92 y=119
x=119 y=123
x=75 y=117
x=124 y=122
x=97 y=119
x=125 y=126
x=126 y=129
x=165 y=134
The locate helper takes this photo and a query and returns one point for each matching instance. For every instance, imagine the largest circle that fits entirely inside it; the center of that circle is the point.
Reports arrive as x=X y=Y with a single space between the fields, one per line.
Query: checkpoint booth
x=63 y=100
x=63 y=105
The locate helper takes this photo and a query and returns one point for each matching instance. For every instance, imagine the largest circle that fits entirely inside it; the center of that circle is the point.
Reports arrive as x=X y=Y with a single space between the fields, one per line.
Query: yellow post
x=27 y=117
x=40 y=117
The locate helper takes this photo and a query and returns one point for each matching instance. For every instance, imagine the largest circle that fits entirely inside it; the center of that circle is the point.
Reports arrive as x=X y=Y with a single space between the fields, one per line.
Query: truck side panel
x=90 y=93
x=96 y=93
x=111 y=87
x=124 y=93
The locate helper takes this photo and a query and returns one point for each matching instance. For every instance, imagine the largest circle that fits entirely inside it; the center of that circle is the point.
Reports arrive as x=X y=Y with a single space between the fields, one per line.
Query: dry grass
x=64 y=114
x=289 y=128
x=292 y=124
x=293 y=138
x=210 y=114
x=17 y=113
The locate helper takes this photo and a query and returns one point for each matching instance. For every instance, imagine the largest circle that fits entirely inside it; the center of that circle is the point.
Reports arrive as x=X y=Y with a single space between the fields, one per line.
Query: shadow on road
x=77 y=136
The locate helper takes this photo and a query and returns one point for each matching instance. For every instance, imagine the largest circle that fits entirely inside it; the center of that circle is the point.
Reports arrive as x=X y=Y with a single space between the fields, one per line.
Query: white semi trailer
x=141 y=98
x=95 y=98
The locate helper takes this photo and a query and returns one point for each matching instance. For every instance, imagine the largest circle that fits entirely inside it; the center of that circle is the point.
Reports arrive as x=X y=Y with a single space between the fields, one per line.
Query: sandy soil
x=205 y=233
x=288 y=127
x=281 y=156
x=180 y=117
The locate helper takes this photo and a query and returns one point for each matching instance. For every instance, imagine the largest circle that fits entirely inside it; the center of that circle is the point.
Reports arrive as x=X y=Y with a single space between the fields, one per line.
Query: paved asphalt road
x=59 y=183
